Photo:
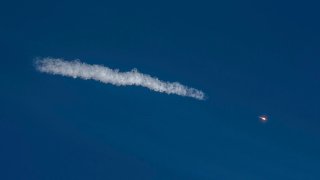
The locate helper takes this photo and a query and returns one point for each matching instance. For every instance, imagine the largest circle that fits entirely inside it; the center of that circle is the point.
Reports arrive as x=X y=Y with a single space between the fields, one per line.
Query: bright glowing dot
x=263 y=118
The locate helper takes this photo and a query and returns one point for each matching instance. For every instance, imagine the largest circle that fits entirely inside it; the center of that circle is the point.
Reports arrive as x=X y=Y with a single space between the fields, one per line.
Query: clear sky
x=250 y=58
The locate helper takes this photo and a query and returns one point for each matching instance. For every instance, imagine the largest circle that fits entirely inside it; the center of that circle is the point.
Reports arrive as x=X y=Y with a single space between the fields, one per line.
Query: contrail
x=77 y=69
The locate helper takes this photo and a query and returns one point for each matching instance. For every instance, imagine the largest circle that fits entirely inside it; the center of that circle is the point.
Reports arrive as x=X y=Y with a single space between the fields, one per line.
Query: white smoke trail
x=77 y=69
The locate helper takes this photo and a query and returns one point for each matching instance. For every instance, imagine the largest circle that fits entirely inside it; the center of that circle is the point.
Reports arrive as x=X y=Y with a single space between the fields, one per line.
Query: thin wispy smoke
x=77 y=69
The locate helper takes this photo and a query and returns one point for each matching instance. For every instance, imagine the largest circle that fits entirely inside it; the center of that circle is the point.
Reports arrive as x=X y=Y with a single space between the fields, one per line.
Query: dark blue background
x=250 y=58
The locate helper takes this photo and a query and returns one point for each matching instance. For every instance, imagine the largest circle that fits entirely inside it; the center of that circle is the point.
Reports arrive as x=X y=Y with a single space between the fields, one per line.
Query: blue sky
x=250 y=58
